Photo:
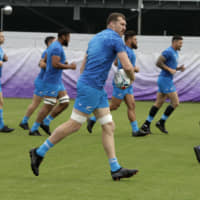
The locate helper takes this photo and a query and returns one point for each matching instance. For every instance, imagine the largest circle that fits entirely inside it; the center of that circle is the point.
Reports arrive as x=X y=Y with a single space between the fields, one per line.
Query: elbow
x=157 y=64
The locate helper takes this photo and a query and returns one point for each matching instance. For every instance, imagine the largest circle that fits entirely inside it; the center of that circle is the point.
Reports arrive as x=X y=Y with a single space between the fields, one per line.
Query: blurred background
x=148 y=17
x=155 y=21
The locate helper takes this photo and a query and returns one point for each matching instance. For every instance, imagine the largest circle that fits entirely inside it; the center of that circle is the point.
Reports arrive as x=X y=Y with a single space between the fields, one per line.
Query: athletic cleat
x=90 y=124
x=24 y=126
x=45 y=128
x=123 y=173
x=161 y=127
x=35 y=161
x=145 y=129
x=139 y=133
x=197 y=152
x=35 y=133
x=5 y=129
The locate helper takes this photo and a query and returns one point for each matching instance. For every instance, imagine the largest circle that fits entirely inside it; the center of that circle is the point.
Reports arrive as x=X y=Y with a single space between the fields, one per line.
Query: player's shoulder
x=168 y=51
x=110 y=34
x=129 y=50
x=55 y=46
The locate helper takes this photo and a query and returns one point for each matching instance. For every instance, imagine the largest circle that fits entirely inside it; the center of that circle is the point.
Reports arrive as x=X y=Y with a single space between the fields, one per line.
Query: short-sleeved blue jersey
x=131 y=56
x=42 y=70
x=53 y=75
x=102 y=50
x=171 y=57
x=1 y=58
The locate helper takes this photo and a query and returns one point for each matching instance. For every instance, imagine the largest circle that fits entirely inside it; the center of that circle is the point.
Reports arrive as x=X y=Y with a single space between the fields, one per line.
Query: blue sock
x=42 y=150
x=150 y=118
x=25 y=120
x=93 y=118
x=164 y=117
x=114 y=165
x=48 y=120
x=35 y=127
x=1 y=119
x=134 y=126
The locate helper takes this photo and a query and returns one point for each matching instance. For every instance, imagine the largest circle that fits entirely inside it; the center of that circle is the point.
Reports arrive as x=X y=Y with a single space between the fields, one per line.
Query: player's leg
x=197 y=152
x=65 y=129
x=173 y=96
x=160 y=99
x=49 y=103
x=117 y=97
x=3 y=127
x=30 y=110
x=105 y=118
x=130 y=102
x=83 y=106
x=63 y=99
x=114 y=104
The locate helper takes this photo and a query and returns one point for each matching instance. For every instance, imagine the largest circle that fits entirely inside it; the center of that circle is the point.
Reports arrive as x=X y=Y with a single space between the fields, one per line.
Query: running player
x=52 y=81
x=3 y=58
x=38 y=92
x=168 y=62
x=91 y=97
x=124 y=94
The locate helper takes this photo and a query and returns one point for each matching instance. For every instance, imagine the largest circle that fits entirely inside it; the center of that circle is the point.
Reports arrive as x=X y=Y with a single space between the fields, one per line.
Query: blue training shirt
x=171 y=57
x=131 y=56
x=42 y=70
x=53 y=75
x=102 y=51
x=1 y=58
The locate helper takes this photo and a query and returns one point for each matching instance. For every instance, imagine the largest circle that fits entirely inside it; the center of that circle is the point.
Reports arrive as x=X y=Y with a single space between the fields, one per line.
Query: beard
x=134 y=46
x=65 y=43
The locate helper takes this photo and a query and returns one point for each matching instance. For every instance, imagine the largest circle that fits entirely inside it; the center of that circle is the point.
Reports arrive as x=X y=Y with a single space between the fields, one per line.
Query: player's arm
x=161 y=64
x=43 y=62
x=58 y=65
x=136 y=69
x=1 y=60
x=5 y=58
x=181 y=68
x=116 y=62
x=83 y=64
x=126 y=64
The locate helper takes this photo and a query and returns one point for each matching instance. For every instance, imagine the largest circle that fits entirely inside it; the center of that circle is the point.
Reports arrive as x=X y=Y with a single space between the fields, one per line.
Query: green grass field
x=77 y=168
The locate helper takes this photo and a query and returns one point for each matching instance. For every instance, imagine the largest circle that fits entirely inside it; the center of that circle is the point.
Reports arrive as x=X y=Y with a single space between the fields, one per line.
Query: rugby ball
x=121 y=79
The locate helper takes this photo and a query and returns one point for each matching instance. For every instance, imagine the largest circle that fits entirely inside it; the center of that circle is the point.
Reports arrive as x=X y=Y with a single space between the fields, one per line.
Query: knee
x=175 y=105
x=114 y=106
x=109 y=128
x=64 y=101
x=159 y=104
x=64 y=105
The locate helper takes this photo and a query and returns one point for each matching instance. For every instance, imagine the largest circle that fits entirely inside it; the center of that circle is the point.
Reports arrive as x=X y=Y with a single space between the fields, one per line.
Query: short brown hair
x=114 y=17
x=129 y=34
x=177 y=37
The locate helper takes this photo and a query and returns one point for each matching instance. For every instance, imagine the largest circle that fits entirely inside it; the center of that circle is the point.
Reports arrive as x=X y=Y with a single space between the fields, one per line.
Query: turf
x=77 y=168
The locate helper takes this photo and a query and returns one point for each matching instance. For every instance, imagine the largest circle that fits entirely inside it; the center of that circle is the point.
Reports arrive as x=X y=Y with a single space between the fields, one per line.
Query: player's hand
x=1 y=63
x=172 y=71
x=136 y=69
x=73 y=66
x=182 y=68
x=5 y=58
